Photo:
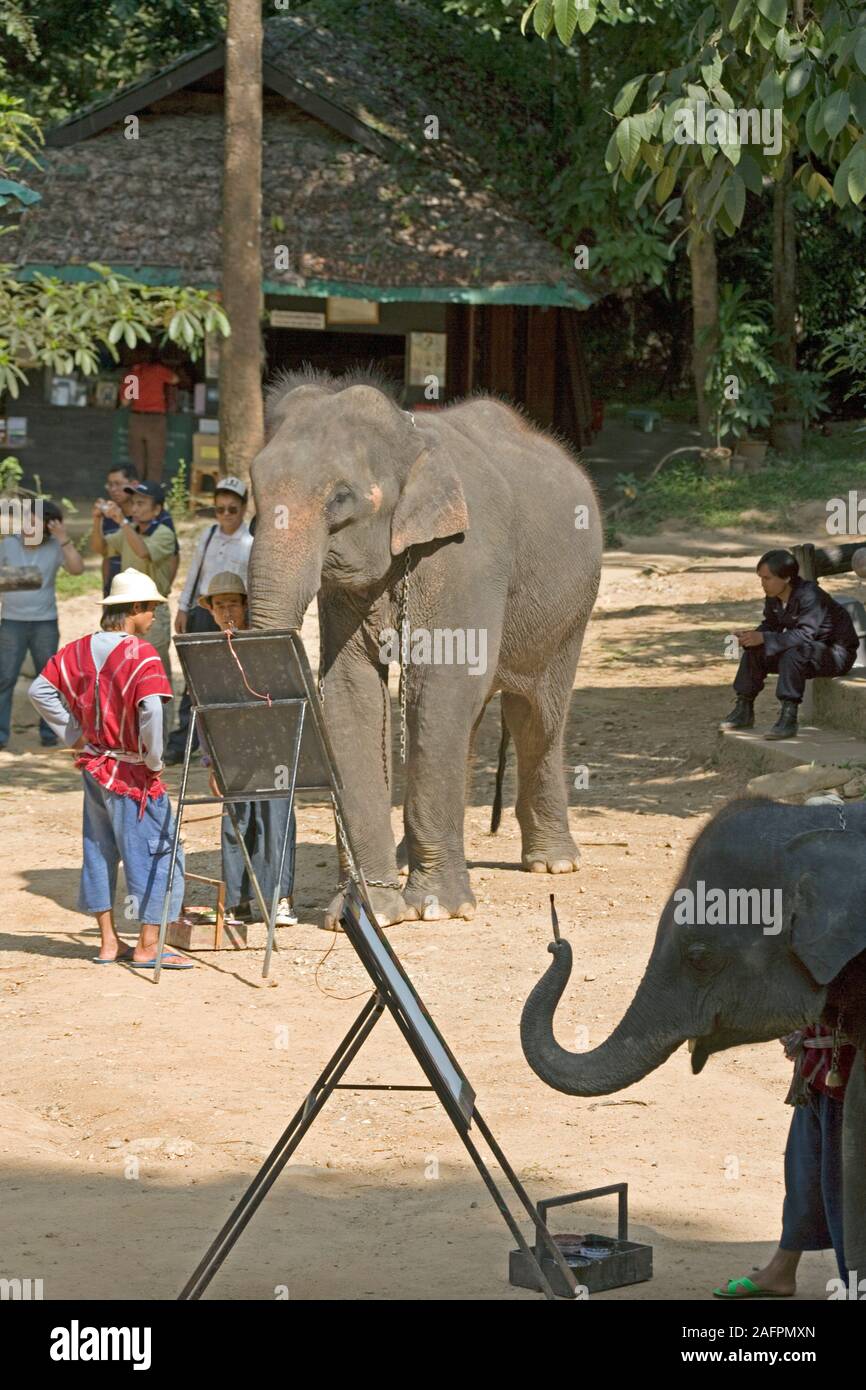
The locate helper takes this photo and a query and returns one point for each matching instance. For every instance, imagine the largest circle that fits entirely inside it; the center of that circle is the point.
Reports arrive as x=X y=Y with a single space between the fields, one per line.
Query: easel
x=244 y=748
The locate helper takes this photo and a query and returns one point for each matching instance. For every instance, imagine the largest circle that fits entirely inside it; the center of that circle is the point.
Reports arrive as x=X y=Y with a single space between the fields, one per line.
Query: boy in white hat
x=262 y=823
x=104 y=696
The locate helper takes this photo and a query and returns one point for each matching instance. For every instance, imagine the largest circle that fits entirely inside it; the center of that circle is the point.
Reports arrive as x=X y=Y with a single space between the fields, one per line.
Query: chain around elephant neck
x=404 y=652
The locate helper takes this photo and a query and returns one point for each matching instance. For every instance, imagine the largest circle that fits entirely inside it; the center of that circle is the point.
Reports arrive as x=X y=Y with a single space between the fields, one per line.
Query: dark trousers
x=198 y=620
x=812 y=1215
x=795 y=666
x=262 y=825
x=41 y=638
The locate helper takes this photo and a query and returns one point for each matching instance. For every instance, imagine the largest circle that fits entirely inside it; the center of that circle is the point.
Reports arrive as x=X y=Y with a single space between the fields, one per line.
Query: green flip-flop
x=746 y=1288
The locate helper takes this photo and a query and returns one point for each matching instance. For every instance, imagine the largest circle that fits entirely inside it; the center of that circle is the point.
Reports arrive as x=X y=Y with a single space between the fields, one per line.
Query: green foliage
x=11 y=474
x=177 y=496
x=61 y=54
x=739 y=360
x=684 y=494
x=845 y=348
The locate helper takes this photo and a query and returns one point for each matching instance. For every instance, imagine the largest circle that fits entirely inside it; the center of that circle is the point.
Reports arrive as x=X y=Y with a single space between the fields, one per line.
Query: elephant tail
x=496 y=814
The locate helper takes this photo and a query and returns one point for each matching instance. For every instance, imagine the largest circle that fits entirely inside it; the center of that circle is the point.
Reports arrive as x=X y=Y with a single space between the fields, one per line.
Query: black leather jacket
x=809 y=616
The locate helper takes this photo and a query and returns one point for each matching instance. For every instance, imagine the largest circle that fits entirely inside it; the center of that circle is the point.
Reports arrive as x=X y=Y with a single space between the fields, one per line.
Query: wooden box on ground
x=199 y=936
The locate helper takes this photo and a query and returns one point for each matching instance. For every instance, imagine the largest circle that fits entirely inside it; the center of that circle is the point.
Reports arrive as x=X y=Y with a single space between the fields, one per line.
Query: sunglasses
x=227 y=511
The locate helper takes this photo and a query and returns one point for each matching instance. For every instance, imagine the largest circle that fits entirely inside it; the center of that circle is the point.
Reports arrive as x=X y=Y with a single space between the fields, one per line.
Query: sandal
x=125 y=953
x=746 y=1288
x=170 y=961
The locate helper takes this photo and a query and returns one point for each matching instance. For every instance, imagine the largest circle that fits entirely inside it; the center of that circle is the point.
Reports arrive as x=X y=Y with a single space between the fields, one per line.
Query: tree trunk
x=240 y=376
x=705 y=319
x=786 y=433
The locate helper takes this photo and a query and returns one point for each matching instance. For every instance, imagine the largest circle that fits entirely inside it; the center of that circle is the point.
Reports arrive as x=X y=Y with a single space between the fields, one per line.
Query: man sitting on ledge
x=805 y=633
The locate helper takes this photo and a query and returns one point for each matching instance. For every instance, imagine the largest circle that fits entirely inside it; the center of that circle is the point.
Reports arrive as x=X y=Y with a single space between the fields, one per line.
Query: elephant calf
x=765 y=932
x=468 y=542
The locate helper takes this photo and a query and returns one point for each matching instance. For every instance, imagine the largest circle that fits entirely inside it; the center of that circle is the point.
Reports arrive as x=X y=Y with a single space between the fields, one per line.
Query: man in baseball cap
x=104 y=695
x=144 y=542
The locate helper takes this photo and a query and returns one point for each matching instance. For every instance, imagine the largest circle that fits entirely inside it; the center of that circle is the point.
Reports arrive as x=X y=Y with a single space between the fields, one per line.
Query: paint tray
x=597 y=1262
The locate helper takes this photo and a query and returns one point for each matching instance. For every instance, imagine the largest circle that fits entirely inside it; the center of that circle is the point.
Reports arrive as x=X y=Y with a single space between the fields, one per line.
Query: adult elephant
x=799 y=957
x=484 y=535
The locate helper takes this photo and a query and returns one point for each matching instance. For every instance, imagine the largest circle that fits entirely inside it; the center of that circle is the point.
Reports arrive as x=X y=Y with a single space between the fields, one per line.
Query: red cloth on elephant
x=105 y=704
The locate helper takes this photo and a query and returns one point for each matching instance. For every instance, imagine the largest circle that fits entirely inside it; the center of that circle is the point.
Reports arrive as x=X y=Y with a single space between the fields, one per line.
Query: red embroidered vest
x=105 y=704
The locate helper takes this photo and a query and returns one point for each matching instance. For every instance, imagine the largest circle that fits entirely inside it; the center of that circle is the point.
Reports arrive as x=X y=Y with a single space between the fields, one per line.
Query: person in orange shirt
x=144 y=387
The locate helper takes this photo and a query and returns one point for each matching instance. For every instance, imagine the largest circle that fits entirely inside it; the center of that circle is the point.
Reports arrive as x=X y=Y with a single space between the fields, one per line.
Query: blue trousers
x=262 y=825
x=812 y=1214
x=41 y=638
x=114 y=832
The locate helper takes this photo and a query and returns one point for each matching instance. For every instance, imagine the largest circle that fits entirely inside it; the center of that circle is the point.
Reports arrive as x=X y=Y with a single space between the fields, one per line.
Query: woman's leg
x=44 y=640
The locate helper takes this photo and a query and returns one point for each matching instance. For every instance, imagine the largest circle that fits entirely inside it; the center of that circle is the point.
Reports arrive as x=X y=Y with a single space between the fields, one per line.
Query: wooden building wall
x=527 y=354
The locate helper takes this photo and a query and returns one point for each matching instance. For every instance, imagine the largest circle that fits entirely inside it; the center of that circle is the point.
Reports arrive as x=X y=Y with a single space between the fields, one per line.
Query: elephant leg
x=441 y=721
x=854 y=1167
x=536 y=725
x=358 y=718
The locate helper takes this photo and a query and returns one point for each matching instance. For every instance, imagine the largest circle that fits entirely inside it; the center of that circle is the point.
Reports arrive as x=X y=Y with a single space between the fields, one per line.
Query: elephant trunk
x=635 y=1048
x=282 y=582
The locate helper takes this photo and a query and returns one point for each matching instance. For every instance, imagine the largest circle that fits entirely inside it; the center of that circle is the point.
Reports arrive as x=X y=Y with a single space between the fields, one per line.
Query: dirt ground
x=134 y=1115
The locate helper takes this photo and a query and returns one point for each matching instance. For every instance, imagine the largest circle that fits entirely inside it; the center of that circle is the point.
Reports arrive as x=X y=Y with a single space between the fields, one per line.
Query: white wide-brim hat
x=132 y=586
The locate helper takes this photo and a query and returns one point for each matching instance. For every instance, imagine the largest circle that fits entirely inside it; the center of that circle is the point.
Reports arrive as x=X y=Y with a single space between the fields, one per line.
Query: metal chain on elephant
x=404 y=653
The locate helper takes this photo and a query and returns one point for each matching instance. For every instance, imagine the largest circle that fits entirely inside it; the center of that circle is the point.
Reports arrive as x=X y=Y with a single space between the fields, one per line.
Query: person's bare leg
x=779 y=1274
x=111 y=945
x=148 y=938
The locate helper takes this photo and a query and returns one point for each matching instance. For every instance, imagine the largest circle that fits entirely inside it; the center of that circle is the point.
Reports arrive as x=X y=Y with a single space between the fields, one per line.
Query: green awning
x=570 y=296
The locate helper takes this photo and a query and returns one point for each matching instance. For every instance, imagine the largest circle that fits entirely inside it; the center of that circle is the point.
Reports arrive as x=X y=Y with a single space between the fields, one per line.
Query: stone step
x=841 y=704
x=751 y=754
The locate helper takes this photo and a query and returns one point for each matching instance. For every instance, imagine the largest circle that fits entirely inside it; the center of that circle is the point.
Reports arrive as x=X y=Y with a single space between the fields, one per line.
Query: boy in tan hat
x=262 y=823
x=104 y=695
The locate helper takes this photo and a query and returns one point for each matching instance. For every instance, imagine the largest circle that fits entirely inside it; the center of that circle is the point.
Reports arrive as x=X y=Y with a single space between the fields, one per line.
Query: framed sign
x=352 y=310
x=427 y=357
x=295 y=318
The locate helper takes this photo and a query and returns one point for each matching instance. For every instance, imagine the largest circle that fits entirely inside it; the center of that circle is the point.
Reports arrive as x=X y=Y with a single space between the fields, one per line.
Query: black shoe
x=742 y=716
x=49 y=742
x=786 y=725
x=172 y=758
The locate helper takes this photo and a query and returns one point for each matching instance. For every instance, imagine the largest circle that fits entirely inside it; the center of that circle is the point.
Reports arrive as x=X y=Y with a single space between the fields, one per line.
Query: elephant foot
x=562 y=858
x=433 y=901
x=387 y=903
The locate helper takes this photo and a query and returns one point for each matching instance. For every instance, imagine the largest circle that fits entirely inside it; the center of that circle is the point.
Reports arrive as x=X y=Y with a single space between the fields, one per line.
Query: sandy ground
x=134 y=1115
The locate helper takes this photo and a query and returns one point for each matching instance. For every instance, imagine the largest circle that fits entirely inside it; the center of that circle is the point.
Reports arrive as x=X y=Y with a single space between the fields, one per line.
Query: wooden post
x=240 y=381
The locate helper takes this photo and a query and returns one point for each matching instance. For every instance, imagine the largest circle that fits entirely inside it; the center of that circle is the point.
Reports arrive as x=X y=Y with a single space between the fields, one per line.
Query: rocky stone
x=856 y=787
x=798 y=781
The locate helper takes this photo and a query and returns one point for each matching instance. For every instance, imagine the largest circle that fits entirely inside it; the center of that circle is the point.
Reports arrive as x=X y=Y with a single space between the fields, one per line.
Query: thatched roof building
x=382 y=181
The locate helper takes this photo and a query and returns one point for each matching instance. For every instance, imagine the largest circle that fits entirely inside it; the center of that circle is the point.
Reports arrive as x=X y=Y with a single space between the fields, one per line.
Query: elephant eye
x=700 y=957
x=339 y=506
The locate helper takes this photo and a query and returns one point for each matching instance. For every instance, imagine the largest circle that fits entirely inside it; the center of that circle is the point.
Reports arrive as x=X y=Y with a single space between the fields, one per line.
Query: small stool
x=201 y=472
x=219 y=884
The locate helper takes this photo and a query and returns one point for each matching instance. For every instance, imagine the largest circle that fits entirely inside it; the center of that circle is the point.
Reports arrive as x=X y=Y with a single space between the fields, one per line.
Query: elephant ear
x=825 y=884
x=432 y=504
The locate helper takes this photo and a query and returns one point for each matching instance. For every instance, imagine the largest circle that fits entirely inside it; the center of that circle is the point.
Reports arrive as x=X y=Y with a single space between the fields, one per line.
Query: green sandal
x=746 y=1288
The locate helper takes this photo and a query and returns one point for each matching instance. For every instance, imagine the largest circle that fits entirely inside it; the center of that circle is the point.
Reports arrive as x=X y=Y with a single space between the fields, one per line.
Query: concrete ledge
x=841 y=704
x=749 y=752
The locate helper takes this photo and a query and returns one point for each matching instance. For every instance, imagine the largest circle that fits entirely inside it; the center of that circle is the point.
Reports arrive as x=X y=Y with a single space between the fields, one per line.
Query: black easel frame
x=393 y=990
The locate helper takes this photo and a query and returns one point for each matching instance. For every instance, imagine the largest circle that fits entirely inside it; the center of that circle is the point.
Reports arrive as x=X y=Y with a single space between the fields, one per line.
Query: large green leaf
x=771 y=90
x=542 y=17
x=665 y=185
x=735 y=198
x=750 y=173
x=815 y=133
x=857 y=175
x=776 y=11
x=835 y=112
x=860 y=52
x=565 y=19
x=586 y=17
x=626 y=95
x=741 y=9
x=628 y=140
x=798 y=78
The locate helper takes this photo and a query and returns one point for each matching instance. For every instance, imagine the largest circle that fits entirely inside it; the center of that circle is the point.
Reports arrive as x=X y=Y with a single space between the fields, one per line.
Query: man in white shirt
x=223 y=546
